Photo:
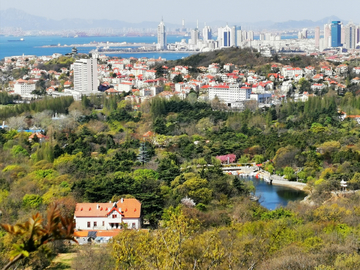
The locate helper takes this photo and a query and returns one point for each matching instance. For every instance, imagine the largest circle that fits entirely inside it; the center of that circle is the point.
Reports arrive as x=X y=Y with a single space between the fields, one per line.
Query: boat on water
x=15 y=40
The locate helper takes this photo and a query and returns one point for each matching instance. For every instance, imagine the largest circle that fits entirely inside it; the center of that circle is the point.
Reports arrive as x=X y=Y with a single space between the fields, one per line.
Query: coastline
x=294 y=185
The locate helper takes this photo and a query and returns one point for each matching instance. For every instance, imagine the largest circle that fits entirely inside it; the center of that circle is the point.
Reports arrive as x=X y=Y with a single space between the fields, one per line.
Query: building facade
x=317 y=37
x=85 y=75
x=107 y=216
x=229 y=93
x=207 y=34
x=335 y=34
x=224 y=36
x=161 y=36
x=350 y=36
x=327 y=35
x=23 y=87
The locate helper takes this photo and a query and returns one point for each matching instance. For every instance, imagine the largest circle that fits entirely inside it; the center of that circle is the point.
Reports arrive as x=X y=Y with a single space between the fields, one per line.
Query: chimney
x=97 y=206
x=122 y=200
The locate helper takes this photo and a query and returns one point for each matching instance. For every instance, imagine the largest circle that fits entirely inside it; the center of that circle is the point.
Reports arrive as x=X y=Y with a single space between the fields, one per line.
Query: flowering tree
x=229 y=157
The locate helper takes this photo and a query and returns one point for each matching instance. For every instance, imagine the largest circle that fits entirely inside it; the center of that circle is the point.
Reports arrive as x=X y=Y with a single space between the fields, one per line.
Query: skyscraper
x=161 y=36
x=224 y=36
x=342 y=33
x=239 y=36
x=317 y=37
x=304 y=33
x=194 y=36
x=207 y=35
x=85 y=75
x=350 y=36
x=327 y=35
x=183 y=25
x=233 y=38
x=335 y=34
x=251 y=35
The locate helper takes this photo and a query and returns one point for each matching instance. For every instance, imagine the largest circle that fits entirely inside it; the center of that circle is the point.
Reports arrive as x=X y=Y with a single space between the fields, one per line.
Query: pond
x=272 y=196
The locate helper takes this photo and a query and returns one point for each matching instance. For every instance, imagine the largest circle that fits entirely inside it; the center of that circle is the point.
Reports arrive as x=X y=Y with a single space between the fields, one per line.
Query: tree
x=34 y=233
x=143 y=154
x=178 y=78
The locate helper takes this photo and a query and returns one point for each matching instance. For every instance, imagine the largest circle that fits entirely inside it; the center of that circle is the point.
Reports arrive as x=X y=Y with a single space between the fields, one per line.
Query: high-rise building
x=335 y=34
x=262 y=36
x=317 y=37
x=244 y=35
x=161 y=36
x=350 y=36
x=233 y=39
x=207 y=34
x=299 y=35
x=304 y=33
x=239 y=36
x=251 y=35
x=342 y=33
x=327 y=35
x=224 y=36
x=85 y=75
x=183 y=25
x=194 y=36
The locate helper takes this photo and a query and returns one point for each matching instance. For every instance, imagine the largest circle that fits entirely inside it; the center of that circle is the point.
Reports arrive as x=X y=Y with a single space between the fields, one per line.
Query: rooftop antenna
x=197 y=24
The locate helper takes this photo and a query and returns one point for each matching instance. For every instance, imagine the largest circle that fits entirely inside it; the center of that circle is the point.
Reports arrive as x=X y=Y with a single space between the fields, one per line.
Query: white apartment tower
x=233 y=39
x=85 y=75
x=350 y=36
x=317 y=37
x=224 y=36
x=207 y=33
x=327 y=35
x=250 y=35
x=239 y=36
x=161 y=36
x=194 y=36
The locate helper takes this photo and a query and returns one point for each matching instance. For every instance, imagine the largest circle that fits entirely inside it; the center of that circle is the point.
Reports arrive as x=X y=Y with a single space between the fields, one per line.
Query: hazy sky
x=191 y=10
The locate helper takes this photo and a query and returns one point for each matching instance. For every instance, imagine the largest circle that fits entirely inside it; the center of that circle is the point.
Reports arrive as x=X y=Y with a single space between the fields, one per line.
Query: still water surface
x=272 y=196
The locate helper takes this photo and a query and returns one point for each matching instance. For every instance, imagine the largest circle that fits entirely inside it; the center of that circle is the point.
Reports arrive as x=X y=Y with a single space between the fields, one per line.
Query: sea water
x=32 y=45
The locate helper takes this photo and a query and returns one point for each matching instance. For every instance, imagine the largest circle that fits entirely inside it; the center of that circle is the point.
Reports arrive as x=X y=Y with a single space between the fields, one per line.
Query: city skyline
x=189 y=10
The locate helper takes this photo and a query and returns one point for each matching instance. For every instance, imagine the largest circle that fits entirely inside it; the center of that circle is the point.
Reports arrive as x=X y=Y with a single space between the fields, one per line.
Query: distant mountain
x=17 y=18
x=304 y=23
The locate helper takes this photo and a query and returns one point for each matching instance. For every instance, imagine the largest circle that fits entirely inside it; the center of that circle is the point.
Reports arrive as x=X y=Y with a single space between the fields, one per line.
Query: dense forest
x=90 y=154
x=242 y=57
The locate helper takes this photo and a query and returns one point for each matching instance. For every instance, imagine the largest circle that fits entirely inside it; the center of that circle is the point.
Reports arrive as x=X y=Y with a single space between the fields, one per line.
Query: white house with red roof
x=107 y=216
x=214 y=68
x=341 y=69
x=310 y=70
x=318 y=86
x=356 y=70
x=23 y=87
x=124 y=86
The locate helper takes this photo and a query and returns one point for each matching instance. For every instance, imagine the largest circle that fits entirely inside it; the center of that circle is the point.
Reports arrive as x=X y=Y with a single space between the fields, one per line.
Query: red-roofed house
x=107 y=216
x=356 y=70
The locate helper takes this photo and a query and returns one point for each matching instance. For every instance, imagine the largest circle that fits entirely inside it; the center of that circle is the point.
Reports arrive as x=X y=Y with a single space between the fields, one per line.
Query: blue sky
x=191 y=10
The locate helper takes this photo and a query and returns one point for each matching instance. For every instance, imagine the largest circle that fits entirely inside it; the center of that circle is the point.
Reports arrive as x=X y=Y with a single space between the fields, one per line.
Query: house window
x=103 y=223
x=114 y=216
x=133 y=225
x=88 y=224
x=95 y=223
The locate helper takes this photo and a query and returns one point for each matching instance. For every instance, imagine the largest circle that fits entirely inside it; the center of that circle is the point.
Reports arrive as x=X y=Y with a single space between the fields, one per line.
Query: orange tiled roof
x=130 y=208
